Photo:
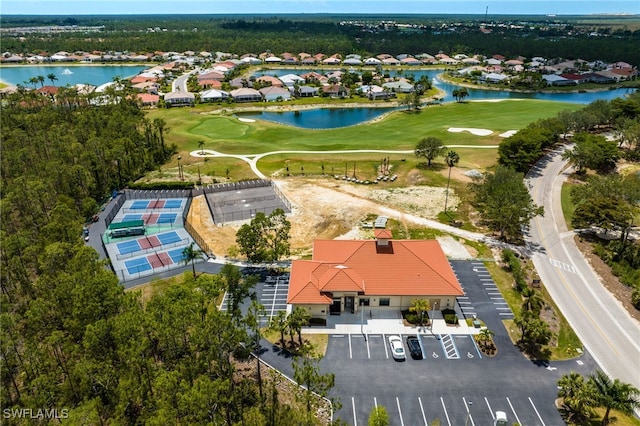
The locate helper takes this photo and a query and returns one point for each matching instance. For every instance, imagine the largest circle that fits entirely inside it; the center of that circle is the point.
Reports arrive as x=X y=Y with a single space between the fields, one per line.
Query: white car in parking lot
x=397 y=350
x=501 y=419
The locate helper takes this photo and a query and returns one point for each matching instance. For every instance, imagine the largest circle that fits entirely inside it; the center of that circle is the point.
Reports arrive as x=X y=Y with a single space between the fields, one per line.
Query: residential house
x=374 y=92
x=213 y=95
x=372 y=61
x=578 y=78
x=381 y=274
x=245 y=94
x=335 y=91
x=410 y=61
x=556 y=80
x=179 y=98
x=270 y=80
x=148 y=99
x=493 y=77
x=275 y=93
x=290 y=80
x=306 y=91
x=400 y=86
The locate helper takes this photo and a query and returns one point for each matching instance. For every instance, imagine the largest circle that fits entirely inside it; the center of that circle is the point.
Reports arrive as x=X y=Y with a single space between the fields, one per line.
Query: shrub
x=449 y=316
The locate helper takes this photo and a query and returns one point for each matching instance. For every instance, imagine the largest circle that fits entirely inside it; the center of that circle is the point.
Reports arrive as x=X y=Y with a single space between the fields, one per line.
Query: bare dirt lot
x=327 y=209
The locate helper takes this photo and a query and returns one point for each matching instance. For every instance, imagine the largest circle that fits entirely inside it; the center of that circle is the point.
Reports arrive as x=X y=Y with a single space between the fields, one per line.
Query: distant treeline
x=329 y=34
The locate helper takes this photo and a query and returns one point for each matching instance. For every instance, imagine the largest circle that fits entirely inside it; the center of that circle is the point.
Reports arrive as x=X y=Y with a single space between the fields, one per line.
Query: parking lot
x=423 y=409
x=360 y=347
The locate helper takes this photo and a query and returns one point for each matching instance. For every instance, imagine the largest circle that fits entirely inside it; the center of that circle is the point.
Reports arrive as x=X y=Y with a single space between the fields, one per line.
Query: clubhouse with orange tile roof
x=380 y=274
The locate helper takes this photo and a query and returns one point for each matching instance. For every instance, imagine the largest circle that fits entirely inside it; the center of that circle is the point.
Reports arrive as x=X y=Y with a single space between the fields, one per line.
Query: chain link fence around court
x=230 y=208
x=221 y=211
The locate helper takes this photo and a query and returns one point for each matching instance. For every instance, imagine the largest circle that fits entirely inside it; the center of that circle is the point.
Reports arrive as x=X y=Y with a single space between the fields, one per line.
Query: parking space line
x=475 y=345
x=399 y=411
x=368 y=351
x=514 y=411
x=536 y=410
x=469 y=416
x=350 y=352
x=424 y=417
x=490 y=410
x=446 y=414
x=384 y=343
x=353 y=404
x=375 y=401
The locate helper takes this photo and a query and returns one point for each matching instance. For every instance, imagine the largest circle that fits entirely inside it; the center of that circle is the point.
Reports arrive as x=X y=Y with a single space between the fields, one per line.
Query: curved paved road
x=606 y=329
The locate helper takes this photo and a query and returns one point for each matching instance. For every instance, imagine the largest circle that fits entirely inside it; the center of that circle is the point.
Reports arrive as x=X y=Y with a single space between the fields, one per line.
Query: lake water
x=329 y=118
x=66 y=74
x=320 y=118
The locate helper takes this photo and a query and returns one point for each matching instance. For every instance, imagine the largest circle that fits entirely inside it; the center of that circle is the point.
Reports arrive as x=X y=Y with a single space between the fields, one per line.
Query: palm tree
x=52 y=77
x=34 y=81
x=452 y=158
x=576 y=397
x=201 y=146
x=298 y=319
x=532 y=300
x=420 y=306
x=614 y=394
x=191 y=253
x=280 y=324
x=40 y=80
x=485 y=336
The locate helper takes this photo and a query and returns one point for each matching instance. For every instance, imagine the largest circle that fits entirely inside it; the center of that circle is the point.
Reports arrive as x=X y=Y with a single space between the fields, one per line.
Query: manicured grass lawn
x=567 y=205
x=398 y=131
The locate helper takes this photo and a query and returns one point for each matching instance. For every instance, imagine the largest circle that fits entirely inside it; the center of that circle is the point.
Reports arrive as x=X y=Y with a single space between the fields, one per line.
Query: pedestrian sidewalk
x=391 y=326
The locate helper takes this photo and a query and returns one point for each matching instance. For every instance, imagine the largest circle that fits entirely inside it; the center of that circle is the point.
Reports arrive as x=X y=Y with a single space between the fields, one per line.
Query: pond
x=68 y=74
x=329 y=118
x=320 y=118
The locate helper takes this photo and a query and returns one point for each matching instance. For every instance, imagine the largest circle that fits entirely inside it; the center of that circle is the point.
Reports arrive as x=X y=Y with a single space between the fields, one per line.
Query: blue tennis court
x=135 y=266
x=139 y=204
x=169 y=237
x=128 y=217
x=173 y=204
x=127 y=247
x=167 y=217
x=177 y=255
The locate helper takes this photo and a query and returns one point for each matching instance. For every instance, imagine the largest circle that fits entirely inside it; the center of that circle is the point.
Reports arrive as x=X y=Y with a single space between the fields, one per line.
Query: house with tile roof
x=275 y=93
x=381 y=274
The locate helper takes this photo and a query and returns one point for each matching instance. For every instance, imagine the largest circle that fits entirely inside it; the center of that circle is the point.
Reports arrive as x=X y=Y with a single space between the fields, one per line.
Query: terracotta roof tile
x=401 y=267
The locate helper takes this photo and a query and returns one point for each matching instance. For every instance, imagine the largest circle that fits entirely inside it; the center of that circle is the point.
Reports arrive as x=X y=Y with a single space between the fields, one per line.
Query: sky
x=491 y=7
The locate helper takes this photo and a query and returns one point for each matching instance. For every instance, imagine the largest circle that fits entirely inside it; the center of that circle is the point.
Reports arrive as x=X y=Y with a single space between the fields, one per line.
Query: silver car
x=397 y=350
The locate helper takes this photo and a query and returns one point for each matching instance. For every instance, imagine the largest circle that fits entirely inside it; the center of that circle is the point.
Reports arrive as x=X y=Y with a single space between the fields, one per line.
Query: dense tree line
x=620 y=116
x=72 y=343
x=326 y=35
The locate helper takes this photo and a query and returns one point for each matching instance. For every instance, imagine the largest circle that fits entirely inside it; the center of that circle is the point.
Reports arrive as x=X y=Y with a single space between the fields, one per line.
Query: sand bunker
x=246 y=120
x=508 y=133
x=477 y=132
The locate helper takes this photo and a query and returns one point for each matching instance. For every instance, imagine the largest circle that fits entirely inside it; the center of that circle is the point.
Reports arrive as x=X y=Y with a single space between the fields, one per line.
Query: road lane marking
x=350 y=352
